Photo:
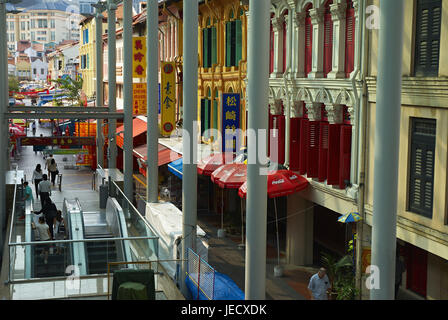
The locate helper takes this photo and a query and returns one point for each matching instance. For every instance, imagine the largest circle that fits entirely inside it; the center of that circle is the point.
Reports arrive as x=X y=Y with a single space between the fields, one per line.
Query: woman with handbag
x=53 y=168
x=61 y=232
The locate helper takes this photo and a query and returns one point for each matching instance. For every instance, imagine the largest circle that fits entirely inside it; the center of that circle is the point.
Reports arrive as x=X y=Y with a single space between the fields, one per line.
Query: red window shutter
x=271 y=126
x=303 y=158
x=323 y=151
x=345 y=153
x=281 y=139
x=313 y=149
x=328 y=42
x=334 y=137
x=308 y=44
x=350 y=39
x=294 y=150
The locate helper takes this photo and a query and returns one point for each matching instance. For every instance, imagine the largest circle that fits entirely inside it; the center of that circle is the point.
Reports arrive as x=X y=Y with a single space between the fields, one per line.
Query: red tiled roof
x=166 y=155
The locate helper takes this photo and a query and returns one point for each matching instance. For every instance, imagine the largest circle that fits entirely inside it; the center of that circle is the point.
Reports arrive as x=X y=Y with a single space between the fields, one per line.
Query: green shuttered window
x=234 y=43
x=421 y=184
x=427 y=37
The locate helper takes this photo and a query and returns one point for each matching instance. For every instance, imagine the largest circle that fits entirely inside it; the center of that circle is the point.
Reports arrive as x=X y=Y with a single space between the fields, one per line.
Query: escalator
x=99 y=253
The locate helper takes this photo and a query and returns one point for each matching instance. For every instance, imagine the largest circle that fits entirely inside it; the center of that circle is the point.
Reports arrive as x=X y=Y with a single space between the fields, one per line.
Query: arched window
x=350 y=39
x=234 y=40
x=328 y=39
x=308 y=41
x=205 y=114
x=209 y=45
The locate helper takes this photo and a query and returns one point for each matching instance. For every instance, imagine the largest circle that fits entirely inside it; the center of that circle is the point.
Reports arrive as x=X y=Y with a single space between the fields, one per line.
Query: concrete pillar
x=387 y=142
x=127 y=100
x=112 y=75
x=299 y=231
x=3 y=122
x=277 y=26
x=258 y=93
x=99 y=84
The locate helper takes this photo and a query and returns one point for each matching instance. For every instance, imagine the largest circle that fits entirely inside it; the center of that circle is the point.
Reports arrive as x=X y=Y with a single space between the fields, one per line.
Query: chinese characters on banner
x=139 y=57
x=139 y=98
x=168 y=99
x=230 y=122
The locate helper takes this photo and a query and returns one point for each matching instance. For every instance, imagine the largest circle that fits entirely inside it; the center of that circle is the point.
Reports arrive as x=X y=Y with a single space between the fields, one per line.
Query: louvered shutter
x=422 y=166
x=273 y=138
x=202 y=116
x=308 y=45
x=427 y=42
x=281 y=139
x=323 y=151
x=205 y=51
x=238 y=42
x=303 y=156
x=350 y=28
x=328 y=43
x=313 y=149
x=345 y=155
x=334 y=134
x=294 y=144
x=214 y=46
x=228 y=44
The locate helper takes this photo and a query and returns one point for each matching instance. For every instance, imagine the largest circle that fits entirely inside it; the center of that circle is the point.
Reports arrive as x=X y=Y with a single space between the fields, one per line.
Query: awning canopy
x=176 y=167
x=139 y=127
x=166 y=155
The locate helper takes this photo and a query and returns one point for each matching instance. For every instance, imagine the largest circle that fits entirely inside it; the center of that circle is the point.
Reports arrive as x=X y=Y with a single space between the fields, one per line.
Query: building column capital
x=299 y=19
x=277 y=23
x=335 y=113
x=351 y=111
x=296 y=109
x=338 y=11
x=317 y=16
x=276 y=107
x=314 y=111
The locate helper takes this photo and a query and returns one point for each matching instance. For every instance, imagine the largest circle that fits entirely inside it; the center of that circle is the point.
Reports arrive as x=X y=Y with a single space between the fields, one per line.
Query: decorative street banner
x=139 y=98
x=230 y=122
x=58 y=141
x=168 y=98
x=139 y=57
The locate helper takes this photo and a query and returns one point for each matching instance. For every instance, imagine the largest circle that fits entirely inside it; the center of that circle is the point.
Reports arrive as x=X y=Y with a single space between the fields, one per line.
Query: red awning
x=166 y=155
x=138 y=127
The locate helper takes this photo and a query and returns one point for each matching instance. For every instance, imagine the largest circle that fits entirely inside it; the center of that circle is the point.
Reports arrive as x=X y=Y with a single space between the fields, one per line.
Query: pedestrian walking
x=37 y=178
x=50 y=212
x=319 y=285
x=44 y=189
x=28 y=196
x=48 y=162
x=60 y=231
x=44 y=235
x=53 y=168
x=33 y=127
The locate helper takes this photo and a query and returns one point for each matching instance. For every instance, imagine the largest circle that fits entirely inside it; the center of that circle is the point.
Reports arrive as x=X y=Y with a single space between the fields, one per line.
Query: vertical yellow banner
x=139 y=98
x=139 y=57
x=168 y=98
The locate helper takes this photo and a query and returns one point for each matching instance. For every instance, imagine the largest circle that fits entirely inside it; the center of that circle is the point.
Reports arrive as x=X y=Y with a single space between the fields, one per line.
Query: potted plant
x=340 y=274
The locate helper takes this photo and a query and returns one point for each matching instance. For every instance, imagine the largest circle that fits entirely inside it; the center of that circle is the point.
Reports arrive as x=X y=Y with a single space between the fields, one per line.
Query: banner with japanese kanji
x=168 y=98
x=139 y=57
x=230 y=122
x=139 y=98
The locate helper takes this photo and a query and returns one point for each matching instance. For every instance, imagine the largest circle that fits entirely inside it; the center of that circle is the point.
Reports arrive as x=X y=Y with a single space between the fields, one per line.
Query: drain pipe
x=288 y=103
x=361 y=152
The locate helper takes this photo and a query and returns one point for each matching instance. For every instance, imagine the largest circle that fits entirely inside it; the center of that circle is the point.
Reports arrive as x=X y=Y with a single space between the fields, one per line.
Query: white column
x=317 y=20
x=190 y=99
x=111 y=77
x=299 y=45
x=99 y=84
x=338 y=13
x=277 y=26
x=258 y=91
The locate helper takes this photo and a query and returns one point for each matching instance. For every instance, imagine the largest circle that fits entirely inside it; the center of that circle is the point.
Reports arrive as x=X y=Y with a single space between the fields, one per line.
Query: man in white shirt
x=44 y=189
x=44 y=235
x=319 y=285
x=48 y=162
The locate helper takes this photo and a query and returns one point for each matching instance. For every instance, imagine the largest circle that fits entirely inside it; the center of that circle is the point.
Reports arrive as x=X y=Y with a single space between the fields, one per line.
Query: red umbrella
x=231 y=176
x=209 y=164
x=280 y=183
